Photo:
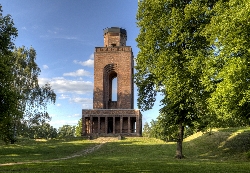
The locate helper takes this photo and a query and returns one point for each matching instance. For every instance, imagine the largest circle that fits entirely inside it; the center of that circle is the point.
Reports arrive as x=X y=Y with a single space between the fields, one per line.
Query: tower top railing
x=115 y=30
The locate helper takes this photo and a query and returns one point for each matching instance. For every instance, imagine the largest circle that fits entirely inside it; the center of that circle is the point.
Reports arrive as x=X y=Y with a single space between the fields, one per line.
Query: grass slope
x=226 y=150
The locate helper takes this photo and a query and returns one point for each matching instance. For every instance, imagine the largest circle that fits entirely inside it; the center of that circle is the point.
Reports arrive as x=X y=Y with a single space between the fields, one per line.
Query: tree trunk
x=179 y=154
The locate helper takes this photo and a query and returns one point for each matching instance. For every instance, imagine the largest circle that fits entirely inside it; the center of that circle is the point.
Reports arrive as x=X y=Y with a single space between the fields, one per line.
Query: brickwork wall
x=117 y=39
x=121 y=59
x=127 y=112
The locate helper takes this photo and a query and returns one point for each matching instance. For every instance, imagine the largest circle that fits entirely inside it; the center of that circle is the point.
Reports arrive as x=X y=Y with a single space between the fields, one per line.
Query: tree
x=33 y=99
x=37 y=131
x=79 y=128
x=228 y=32
x=162 y=129
x=21 y=96
x=66 y=131
x=171 y=58
x=8 y=96
x=44 y=131
x=146 y=130
x=31 y=102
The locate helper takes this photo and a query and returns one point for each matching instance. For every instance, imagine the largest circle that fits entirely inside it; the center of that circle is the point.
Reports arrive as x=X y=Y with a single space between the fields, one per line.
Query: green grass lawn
x=226 y=150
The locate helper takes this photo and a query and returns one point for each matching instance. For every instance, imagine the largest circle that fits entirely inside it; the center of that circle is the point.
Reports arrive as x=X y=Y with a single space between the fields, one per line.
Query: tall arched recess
x=114 y=89
x=108 y=75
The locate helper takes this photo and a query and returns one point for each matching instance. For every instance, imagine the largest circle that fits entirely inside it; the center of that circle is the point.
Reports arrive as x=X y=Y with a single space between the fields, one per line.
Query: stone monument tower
x=110 y=117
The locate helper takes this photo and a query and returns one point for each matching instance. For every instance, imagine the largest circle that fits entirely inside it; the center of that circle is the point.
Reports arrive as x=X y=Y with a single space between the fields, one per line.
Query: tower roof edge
x=115 y=30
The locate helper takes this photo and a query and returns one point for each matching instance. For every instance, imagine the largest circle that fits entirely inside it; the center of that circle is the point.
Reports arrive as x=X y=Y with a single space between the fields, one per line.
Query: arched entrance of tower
x=110 y=86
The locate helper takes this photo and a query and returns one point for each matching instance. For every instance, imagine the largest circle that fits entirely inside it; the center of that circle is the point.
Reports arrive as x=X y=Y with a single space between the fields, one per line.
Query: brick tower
x=108 y=116
x=115 y=60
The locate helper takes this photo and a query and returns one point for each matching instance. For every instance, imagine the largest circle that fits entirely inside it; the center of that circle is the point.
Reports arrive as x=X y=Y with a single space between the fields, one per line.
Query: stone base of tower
x=111 y=122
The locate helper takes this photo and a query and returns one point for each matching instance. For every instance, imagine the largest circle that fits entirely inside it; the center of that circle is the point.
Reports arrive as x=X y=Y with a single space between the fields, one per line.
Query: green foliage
x=43 y=131
x=79 y=128
x=66 y=131
x=196 y=54
x=248 y=154
x=228 y=32
x=22 y=99
x=162 y=129
x=8 y=97
x=171 y=58
x=146 y=132
x=8 y=33
x=32 y=99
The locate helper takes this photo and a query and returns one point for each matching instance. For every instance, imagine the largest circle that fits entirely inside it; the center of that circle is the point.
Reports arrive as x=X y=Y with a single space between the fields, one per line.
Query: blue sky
x=64 y=34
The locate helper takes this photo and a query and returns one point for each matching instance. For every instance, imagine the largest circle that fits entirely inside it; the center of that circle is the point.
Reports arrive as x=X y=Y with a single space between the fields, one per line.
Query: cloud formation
x=87 y=103
x=45 y=66
x=80 y=72
x=89 y=62
x=62 y=85
x=75 y=115
x=60 y=123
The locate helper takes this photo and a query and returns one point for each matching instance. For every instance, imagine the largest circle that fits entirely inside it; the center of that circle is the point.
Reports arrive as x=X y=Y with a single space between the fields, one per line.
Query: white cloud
x=45 y=66
x=89 y=62
x=24 y=28
x=63 y=96
x=60 y=123
x=82 y=100
x=75 y=115
x=87 y=103
x=61 y=85
x=58 y=104
x=80 y=72
x=91 y=56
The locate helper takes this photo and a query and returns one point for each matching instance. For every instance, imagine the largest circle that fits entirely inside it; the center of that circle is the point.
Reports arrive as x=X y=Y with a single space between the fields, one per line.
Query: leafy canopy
x=171 y=58
x=21 y=97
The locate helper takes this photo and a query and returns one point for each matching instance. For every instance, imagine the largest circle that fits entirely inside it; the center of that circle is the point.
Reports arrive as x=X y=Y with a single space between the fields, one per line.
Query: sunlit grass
x=225 y=150
x=25 y=151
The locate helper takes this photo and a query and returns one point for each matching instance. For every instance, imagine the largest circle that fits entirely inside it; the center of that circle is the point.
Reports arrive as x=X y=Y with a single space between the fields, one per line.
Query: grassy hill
x=222 y=144
x=225 y=150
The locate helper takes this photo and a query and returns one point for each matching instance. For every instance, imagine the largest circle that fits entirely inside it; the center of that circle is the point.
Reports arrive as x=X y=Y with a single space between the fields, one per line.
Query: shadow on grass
x=133 y=155
x=224 y=144
x=207 y=153
x=29 y=151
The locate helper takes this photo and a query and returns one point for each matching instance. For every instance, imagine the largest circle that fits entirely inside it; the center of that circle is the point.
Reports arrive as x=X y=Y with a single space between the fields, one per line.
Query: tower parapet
x=115 y=36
